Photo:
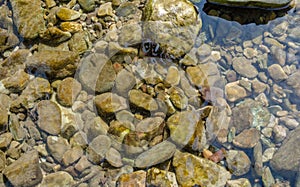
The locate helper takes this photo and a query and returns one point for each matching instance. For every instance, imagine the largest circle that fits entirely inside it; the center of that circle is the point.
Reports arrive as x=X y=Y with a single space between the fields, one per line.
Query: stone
x=59 y=178
x=279 y=55
x=114 y=158
x=57 y=147
x=71 y=27
x=244 y=67
x=250 y=52
x=279 y=133
x=49 y=117
x=257 y=86
x=125 y=81
x=136 y=179
x=149 y=158
x=234 y=92
x=5 y=139
x=79 y=42
x=253 y=3
x=105 y=10
x=17 y=82
x=238 y=162
x=258 y=160
x=248 y=138
x=97 y=149
x=192 y=170
x=72 y=155
x=130 y=35
x=102 y=70
x=277 y=73
x=267 y=177
x=203 y=51
x=53 y=64
x=157 y=177
x=110 y=103
x=66 y=14
x=142 y=100
x=3 y=118
x=87 y=5
x=16 y=129
x=294 y=34
x=25 y=171
x=55 y=36
x=2 y=160
x=151 y=126
x=96 y=127
x=173 y=24
x=173 y=76
x=29 y=23
x=187 y=129
x=178 y=98
x=197 y=77
x=241 y=182
x=67 y=91
x=289 y=122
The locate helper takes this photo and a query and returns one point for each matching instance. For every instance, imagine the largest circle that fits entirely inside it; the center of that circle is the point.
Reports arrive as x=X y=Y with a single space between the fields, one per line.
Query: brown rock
x=17 y=82
x=68 y=91
x=136 y=179
x=247 y=138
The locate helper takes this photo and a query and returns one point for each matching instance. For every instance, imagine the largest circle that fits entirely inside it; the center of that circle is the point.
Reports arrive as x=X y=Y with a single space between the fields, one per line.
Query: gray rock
x=72 y=155
x=192 y=170
x=258 y=162
x=277 y=73
x=267 y=177
x=149 y=158
x=97 y=149
x=124 y=82
x=127 y=8
x=244 y=67
x=248 y=138
x=279 y=55
x=59 y=178
x=87 y=5
x=49 y=117
x=142 y=100
x=96 y=73
x=114 y=158
x=130 y=35
x=279 y=133
x=105 y=9
x=57 y=147
x=79 y=42
x=25 y=171
x=238 y=162
x=53 y=64
x=167 y=24
x=294 y=34
x=29 y=23
x=254 y=3
x=67 y=91
x=110 y=103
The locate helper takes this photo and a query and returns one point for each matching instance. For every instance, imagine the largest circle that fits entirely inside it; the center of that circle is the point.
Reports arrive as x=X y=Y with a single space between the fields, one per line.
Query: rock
x=97 y=149
x=258 y=160
x=234 y=92
x=149 y=158
x=279 y=55
x=248 y=138
x=5 y=139
x=173 y=24
x=125 y=81
x=3 y=118
x=114 y=158
x=267 y=177
x=87 y=5
x=71 y=27
x=17 y=82
x=110 y=103
x=130 y=35
x=192 y=170
x=142 y=100
x=2 y=160
x=127 y=8
x=157 y=177
x=187 y=129
x=244 y=67
x=173 y=76
x=151 y=127
x=55 y=36
x=57 y=147
x=79 y=42
x=254 y=3
x=53 y=64
x=72 y=155
x=250 y=52
x=279 y=133
x=67 y=91
x=102 y=70
x=268 y=154
x=258 y=87
x=289 y=122
x=136 y=179
x=49 y=117
x=294 y=34
x=59 y=178
x=277 y=73
x=66 y=14
x=16 y=129
x=241 y=182
x=105 y=10
x=280 y=28
x=249 y=113
x=96 y=127
x=197 y=77
x=238 y=162
x=25 y=171
x=29 y=23
x=178 y=98
x=203 y=51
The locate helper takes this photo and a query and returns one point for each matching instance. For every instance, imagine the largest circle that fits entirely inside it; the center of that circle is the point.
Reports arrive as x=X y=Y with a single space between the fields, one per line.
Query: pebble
x=131 y=34
x=105 y=10
x=173 y=76
x=67 y=91
x=267 y=177
x=66 y=14
x=60 y=178
x=279 y=133
x=241 y=182
x=114 y=158
x=244 y=67
x=142 y=100
x=71 y=27
x=277 y=73
x=57 y=146
x=247 y=138
x=157 y=177
x=238 y=162
x=125 y=81
x=72 y=155
x=109 y=103
x=234 y=92
x=17 y=82
x=87 y=5
x=258 y=159
x=268 y=154
x=97 y=149
x=137 y=179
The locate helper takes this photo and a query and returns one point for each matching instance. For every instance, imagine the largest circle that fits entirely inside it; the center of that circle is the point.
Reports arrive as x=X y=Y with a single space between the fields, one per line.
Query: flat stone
x=234 y=92
x=53 y=64
x=25 y=171
x=114 y=158
x=136 y=179
x=192 y=170
x=149 y=158
x=247 y=138
x=67 y=91
x=59 y=178
x=238 y=162
x=29 y=23
x=130 y=35
x=277 y=73
x=97 y=149
x=109 y=103
x=253 y=3
x=49 y=117
x=173 y=76
x=57 y=147
x=142 y=100
x=66 y=14
x=102 y=71
x=244 y=67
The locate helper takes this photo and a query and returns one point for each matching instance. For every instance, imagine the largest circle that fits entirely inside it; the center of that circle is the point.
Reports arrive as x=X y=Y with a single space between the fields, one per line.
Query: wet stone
x=277 y=73
x=79 y=42
x=55 y=35
x=72 y=155
x=247 y=138
x=192 y=170
x=173 y=76
x=68 y=91
x=178 y=98
x=157 y=177
x=17 y=82
x=105 y=10
x=142 y=100
x=130 y=34
x=109 y=103
x=137 y=179
x=71 y=27
x=238 y=162
x=197 y=76
x=25 y=171
x=124 y=82
x=244 y=67
x=57 y=147
x=279 y=133
x=97 y=149
x=49 y=117
x=87 y=5
x=149 y=158
x=5 y=139
x=241 y=182
x=114 y=158
x=66 y=14
x=235 y=92
x=60 y=178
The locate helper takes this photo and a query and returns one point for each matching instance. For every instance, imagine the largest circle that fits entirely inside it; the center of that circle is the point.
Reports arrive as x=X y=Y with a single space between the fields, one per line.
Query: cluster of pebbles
x=136 y=93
